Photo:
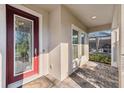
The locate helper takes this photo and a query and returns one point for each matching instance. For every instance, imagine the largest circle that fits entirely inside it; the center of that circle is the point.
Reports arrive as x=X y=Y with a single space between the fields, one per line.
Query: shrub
x=100 y=58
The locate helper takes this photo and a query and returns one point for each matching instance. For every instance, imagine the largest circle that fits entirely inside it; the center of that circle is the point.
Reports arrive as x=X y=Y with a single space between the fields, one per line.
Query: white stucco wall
x=67 y=20
x=60 y=39
x=54 y=43
x=64 y=60
x=2 y=46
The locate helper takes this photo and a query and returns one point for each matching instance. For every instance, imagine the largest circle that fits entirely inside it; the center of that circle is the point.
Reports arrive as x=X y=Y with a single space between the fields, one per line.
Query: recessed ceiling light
x=93 y=17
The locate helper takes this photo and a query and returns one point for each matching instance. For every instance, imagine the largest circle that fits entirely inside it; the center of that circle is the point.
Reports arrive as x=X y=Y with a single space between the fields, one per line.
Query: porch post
x=114 y=47
x=121 y=63
x=115 y=43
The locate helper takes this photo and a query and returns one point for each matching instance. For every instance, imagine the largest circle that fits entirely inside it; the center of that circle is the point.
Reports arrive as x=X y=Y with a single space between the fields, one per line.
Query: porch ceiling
x=84 y=12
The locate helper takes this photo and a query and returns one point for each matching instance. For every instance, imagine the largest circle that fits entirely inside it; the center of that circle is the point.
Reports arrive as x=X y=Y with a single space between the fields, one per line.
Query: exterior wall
x=54 y=43
x=67 y=19
x=43 y=57
x=64 y=60
x=54 y=27
x=2 y=46
x=60 y=40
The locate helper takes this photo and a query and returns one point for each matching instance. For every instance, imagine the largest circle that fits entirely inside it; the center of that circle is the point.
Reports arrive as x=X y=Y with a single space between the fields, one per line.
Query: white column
x=114 y=45
x=2 y=46
x=121 y=63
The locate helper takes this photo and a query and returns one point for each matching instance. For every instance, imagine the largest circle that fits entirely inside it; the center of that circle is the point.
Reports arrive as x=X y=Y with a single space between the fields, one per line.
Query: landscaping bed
x=102 y=58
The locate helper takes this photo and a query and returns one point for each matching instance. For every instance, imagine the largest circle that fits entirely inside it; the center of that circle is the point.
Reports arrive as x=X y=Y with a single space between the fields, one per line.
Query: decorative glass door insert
x=23 y=43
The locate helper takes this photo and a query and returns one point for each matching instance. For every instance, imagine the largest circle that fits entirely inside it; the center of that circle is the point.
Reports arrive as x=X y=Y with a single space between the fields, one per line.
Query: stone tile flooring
x=90 y=75
x=97 y=75
x=42 y=82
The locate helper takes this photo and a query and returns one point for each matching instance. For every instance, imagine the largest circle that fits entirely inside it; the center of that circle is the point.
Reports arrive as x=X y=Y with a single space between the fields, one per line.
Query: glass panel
x=82 y=43
x=23 y=38
x=75 y=44
x=75 y=51
x=75 y=37
x=82 y=38
x=92 y=45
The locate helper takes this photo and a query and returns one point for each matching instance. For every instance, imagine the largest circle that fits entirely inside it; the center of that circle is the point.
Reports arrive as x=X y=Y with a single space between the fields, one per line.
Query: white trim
x=20 y=7
x=2 y=46
x=22 y=82
x=74 y=27
x=80 y=31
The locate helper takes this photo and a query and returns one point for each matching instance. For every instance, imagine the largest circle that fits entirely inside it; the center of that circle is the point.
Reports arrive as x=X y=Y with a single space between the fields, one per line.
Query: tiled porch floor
x=90 y=75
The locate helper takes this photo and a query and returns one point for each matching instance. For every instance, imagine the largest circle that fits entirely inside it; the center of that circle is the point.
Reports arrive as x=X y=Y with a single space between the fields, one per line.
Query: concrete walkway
x=90 y=75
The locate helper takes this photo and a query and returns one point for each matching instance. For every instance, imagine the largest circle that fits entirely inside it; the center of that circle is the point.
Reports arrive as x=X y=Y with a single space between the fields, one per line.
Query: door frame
x=16 y=84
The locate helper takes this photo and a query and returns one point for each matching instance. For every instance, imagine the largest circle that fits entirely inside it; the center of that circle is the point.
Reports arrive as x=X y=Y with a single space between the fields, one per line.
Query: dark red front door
x=22 y=44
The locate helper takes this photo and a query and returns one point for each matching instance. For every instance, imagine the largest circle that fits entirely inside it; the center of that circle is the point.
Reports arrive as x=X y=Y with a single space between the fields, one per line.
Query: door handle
x=35 y=51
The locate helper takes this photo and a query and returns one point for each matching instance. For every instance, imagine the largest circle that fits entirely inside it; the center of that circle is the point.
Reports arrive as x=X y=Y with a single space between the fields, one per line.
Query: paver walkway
x=90 y=75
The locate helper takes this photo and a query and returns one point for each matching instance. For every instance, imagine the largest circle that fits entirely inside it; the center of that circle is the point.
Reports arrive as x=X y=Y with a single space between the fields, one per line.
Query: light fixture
x=93 y=17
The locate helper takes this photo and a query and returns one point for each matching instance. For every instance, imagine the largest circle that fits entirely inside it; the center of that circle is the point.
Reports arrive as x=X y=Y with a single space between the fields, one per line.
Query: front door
x=22 y=44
